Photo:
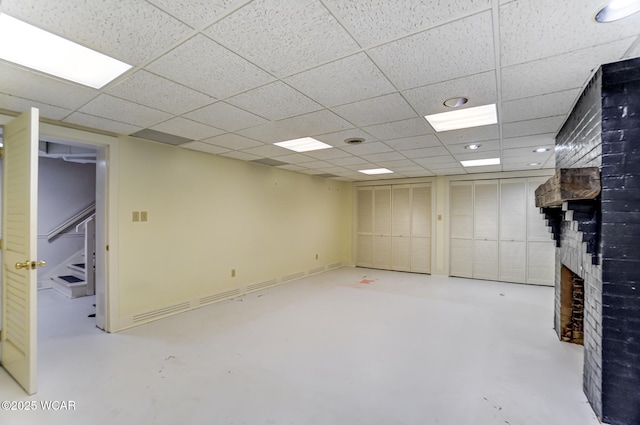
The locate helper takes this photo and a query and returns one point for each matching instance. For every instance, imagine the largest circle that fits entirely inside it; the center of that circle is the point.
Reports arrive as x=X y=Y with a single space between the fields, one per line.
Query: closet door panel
x=401 y=256
x=382 y=252
x=461 y=210
x=365 y=210
x=541 y=257
x=421 y=255
x=421 y=210
x=513 y=209
x=365 y=251
x=485 y=260
x=461 y=256
x=513 y=261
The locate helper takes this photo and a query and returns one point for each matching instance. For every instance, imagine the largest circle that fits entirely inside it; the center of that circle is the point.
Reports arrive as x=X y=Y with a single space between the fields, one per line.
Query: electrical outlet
x=233 y=272
x=143 y=216
x=135 y=216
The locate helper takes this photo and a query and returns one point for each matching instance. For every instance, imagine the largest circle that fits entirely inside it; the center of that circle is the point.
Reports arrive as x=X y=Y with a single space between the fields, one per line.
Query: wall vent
x=261 y=285
x=160 y=312
x=334 y=265
x=220 y=296
x=292 y=276
x=316 y=270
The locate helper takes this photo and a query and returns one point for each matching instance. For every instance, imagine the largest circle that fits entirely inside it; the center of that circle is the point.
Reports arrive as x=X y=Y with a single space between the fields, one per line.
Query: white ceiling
x=236 y=76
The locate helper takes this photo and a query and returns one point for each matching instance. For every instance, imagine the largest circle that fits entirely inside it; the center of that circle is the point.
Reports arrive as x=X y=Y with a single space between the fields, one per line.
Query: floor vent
x=292 y=276
x=160 y=312
x=316 y=270
x=334 y=265
x=220 y=296
x=261 y=285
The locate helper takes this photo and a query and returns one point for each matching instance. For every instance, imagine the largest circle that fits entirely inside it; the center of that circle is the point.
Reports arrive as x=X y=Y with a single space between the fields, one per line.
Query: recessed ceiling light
x=472 y=146
x=542 y=150
x=617 y=9
x=37 y=49
x=533 y=164
x=454 y=102
x=480 y=162
x=304 y=144
x=464 y=118
x=376 y=171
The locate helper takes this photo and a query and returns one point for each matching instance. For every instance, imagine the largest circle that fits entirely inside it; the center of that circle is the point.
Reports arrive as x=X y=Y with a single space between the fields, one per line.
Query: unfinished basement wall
x=209 y=216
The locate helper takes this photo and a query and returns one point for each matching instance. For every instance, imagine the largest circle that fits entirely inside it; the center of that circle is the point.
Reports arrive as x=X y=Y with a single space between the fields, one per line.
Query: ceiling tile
x=449 y=171
x=367 y=148
x=571 y=21
x=204 y=65
x=425 y=152
x=338 y=138
x=397 y=163
x=485 y=169
x=314 y=165
x=480 y=89
x=379 y=21
x=469 y=135
x=535 y=141
x=346 y=80
x=204 y=147
x=399 y=129
x=267 y=151
x=349 y=160
x=129 y=30
x=295 y=158
x=198 y=13
x=531 y=127
x=117 y=109
x=546 y=105
x=444 y=160
x=485 y=145
x=450 y=51
x=151 y=90
x=416 y=142
x=243 y=156
x=40 y=88
x=312 y=124
x=187 y=128
x=292 y=167
x=284 y=37
x=558 y=73
x=18 y=104
x=275 y=101
x=326 y=154
x=385 y=156
x=101 y=123
x=226 y=117
x=387 y=108
x=233 y=141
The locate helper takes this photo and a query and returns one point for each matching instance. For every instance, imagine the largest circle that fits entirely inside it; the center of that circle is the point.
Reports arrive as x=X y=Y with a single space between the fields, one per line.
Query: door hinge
x=1 y=152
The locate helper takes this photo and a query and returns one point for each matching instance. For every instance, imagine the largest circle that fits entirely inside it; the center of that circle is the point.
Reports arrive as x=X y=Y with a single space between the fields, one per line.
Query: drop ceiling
x=231 y=77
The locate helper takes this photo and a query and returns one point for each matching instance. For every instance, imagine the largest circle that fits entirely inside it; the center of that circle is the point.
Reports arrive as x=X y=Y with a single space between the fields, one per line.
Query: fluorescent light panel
x=480 y=162
x=376 y=171
x=304 y=144
x=37 y=49
x=464 y=118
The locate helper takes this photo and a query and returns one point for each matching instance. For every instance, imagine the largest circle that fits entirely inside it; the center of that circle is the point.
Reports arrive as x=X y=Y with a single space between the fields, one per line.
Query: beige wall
x=209 y=214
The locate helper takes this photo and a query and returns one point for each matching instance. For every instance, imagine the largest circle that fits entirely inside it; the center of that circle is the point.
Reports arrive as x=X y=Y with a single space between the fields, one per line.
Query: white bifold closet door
x=497 y=233
x=461 y=229
x=394 y=227
x=485 y=230
x=513 y=230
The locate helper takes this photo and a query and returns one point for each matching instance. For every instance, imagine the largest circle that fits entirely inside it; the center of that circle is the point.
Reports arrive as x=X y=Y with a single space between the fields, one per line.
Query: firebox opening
x=571 y=307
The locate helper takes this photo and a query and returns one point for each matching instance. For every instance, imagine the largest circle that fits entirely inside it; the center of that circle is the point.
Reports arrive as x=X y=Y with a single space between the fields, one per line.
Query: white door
x=461 y=229
x=401 y=228
x=513 y=230
x=382 y=227
x=421 y=228
x=19 y=261
x=485 y=230
x=365 y=227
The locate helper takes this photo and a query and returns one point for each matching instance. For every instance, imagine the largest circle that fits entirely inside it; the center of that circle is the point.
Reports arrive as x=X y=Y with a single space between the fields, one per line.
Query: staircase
x=74 y=283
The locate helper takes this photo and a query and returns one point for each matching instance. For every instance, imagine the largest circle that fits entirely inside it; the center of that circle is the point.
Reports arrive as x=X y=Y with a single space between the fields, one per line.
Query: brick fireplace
x=598 y=242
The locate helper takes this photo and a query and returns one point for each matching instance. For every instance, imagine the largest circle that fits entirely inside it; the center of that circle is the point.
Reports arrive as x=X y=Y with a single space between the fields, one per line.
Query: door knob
x=24 y=265
x=37 y=264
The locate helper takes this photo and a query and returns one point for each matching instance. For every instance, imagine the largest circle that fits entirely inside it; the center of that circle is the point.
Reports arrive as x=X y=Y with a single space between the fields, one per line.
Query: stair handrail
x=85 y=221
x=77 y=218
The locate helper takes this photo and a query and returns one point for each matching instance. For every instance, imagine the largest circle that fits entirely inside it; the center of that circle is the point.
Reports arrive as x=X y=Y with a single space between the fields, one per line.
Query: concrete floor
x=327 y=349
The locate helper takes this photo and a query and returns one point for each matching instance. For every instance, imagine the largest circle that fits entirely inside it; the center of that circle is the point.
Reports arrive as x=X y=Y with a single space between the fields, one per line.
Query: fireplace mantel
x=569 y=184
